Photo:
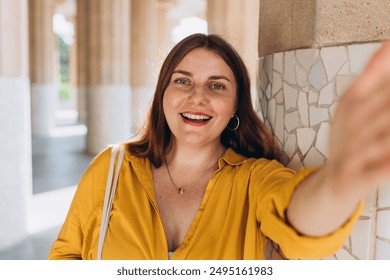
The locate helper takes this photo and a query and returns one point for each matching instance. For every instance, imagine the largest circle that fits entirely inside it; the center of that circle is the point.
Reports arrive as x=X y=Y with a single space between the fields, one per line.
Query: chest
x=177 y=211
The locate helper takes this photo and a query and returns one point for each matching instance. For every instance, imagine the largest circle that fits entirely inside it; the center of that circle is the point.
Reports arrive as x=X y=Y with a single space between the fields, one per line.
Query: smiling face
x=200 y=98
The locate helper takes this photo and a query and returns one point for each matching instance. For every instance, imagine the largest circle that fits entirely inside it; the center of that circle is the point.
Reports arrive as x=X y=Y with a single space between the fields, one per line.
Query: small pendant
x=180 y=191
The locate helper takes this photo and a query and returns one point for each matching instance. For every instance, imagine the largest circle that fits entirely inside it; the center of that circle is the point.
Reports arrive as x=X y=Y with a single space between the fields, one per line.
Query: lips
x=195 y=118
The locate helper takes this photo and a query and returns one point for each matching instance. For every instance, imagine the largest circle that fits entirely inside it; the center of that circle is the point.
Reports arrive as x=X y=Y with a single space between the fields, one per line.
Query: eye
x=217 y=86
x=181 y=81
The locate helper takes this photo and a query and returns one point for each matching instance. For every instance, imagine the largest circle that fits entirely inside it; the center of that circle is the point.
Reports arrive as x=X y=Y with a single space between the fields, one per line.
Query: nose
x=198 y=96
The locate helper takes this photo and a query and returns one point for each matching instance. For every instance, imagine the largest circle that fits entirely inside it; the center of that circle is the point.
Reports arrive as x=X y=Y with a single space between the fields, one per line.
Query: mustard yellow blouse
x=243 y=207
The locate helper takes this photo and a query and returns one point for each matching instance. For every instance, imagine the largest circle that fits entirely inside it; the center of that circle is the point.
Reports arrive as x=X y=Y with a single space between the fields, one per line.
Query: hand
x=359 y=156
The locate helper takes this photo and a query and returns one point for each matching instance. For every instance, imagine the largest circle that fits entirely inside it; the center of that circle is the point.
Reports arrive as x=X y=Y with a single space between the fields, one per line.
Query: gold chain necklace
x=180 y=190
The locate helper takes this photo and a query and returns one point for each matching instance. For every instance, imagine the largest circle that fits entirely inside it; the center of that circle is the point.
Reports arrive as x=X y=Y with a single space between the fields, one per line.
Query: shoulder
x=91 y=188
x=98 y=168
x=253 y=165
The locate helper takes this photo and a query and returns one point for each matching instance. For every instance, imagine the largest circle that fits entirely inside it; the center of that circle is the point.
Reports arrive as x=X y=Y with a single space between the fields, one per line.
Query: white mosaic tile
x=276 y=83
x=313 y=158
x=369 y=206
x=268 y=125
x=268 y=61
x=292 y=121
x=289 y=67
x=345 y=70
x=306 y=58
x=322 y=143
x=305 y=139
x=301 y=76
x=295 y=163
x=306 y=88
x=343 y=83
x=317 y=76
x=384 y=196
x=383 y=225
x=268 y=91
x=279 y=98
x=291 y=145
x=326 y=95
x=360 y=238
x=344 y=255
x=263 y=82
x=264 y=105
x=279 y=124
x=303 y=108
x=271 y=112
x=278 y=62
x=313 y=97
x=360 y=54
x=290 y=96
x=332 y=109
x=347 y=243
x=333 y=59
x=317 y=115
x=382 y=250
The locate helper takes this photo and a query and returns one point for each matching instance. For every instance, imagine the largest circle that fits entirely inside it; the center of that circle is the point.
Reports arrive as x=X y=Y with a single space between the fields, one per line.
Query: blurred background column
x=144 y=51
x=238 y=22
x=15 y=126
x=103 y=36
x=43 y=67
x=310 y=53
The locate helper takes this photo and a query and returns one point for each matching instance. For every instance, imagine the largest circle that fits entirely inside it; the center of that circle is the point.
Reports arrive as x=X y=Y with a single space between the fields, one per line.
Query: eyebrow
x=214 y=77
x=186 y=73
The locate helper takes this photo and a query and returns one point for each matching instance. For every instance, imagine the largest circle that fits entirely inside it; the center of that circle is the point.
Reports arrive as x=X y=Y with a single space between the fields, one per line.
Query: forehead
x=205 y=60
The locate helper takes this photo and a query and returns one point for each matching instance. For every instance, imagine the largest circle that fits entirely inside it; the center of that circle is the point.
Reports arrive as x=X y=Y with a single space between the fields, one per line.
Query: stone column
x=165 y=25
x=15 y=128
x=44 y=70
x=237 y=21
x=310 y=52
x=81 y=46
x=144 y=52
x=104 y=56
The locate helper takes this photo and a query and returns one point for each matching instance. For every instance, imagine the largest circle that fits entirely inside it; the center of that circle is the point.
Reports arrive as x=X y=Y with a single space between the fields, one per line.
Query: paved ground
x=58 y=162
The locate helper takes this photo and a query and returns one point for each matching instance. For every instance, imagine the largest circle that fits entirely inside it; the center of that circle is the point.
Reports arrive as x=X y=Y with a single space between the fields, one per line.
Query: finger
x=371 y=118
x=377 y=69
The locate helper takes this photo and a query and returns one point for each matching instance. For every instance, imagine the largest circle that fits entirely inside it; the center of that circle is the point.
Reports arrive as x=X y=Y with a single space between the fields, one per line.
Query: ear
x=234 y=110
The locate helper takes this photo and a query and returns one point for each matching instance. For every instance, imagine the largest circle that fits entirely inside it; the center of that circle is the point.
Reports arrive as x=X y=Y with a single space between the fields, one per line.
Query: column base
x=44 y=99
x=15 y=160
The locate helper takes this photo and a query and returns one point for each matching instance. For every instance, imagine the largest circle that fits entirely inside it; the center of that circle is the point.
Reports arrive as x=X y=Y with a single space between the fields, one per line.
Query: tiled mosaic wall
x=298 y=95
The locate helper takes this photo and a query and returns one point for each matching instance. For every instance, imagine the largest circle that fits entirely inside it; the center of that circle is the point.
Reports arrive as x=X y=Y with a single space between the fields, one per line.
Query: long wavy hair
x=251 y=139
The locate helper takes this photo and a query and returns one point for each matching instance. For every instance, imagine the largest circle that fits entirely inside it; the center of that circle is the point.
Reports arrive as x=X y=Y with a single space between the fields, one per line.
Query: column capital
x=287 y=25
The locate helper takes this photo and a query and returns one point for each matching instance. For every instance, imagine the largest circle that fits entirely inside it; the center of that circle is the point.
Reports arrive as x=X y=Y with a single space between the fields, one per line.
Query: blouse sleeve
x=275 y=186
x=75 y=233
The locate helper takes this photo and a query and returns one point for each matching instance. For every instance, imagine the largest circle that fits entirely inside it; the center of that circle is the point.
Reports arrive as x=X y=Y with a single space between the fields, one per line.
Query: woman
x=202 y=180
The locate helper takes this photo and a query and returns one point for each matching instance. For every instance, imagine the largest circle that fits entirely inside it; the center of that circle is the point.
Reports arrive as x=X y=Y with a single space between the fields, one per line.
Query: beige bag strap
x=110 y=193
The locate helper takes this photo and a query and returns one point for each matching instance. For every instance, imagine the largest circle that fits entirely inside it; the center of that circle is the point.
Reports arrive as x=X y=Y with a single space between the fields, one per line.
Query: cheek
x=167 y=101
x=227 y=107
x=171 y=99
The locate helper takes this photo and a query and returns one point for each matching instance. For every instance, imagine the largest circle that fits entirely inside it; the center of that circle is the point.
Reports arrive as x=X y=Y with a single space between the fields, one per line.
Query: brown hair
x=251 y=139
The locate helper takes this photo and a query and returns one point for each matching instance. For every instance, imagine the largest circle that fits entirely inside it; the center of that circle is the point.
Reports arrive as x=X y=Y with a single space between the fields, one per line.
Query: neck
x=185 y=156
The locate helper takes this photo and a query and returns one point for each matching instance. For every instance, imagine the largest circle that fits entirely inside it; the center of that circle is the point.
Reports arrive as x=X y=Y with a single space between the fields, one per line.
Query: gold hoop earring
x=237 y=125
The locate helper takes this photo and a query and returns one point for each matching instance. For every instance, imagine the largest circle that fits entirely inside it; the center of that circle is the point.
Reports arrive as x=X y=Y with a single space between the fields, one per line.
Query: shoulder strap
x=110 y=192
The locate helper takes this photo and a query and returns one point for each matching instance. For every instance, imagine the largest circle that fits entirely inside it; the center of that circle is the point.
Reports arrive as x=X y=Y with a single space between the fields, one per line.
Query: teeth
x=196 y=117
